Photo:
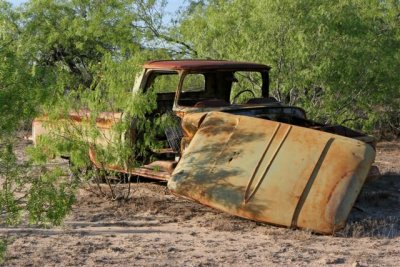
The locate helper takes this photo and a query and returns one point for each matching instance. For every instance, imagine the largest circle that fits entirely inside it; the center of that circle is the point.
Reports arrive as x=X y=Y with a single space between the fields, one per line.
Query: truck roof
x=202 y=64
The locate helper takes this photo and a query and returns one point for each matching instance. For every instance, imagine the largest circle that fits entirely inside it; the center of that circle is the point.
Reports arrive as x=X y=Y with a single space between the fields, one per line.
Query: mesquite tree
x=338 y=59
x=58 y=57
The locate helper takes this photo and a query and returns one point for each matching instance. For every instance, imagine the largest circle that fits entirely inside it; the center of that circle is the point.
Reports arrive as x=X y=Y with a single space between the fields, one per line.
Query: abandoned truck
x=239 y=150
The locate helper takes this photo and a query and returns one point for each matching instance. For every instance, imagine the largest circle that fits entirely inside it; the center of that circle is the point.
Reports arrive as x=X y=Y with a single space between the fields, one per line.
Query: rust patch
x=296 y=169
x=150 y=173
x=203 y=65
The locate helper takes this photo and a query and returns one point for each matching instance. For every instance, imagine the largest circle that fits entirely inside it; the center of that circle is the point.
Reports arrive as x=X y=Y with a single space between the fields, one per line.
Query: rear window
x=246 y=85
x=194 y=82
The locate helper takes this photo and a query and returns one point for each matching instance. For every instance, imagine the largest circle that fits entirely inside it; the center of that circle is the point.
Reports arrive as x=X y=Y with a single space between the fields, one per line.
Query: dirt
x=155 y=228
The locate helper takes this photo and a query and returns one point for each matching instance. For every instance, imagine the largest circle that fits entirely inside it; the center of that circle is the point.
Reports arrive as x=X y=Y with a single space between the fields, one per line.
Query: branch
x=146 y=15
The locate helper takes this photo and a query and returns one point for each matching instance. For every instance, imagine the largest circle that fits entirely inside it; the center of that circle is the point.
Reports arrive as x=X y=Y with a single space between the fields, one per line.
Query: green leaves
x=3 y=249
x=10 y=171
x=49 y=199
x=339 y=59
x=57 y=57
x=44 y=195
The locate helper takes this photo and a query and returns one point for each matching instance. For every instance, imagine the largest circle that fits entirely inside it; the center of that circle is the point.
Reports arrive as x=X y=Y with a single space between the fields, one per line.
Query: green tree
x=337 y=59
x=57 y=57
x=16 y=101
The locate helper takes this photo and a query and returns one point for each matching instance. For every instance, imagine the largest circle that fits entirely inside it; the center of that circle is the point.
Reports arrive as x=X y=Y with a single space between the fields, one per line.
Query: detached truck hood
x=272 y=172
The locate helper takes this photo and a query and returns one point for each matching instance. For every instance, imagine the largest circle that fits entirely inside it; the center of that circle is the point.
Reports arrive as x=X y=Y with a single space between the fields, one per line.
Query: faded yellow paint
x=272 y=172
x=77 y=124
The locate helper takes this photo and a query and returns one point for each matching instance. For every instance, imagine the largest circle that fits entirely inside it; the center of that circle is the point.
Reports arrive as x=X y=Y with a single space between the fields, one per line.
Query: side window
x=246 y=85
x=193 y=83
x=164 y=82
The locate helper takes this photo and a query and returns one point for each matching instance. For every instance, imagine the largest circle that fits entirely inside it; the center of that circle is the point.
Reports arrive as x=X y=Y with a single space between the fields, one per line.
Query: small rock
x=335 y=261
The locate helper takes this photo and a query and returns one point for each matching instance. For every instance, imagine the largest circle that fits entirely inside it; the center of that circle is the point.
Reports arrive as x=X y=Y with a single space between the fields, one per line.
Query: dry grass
x=388 y=227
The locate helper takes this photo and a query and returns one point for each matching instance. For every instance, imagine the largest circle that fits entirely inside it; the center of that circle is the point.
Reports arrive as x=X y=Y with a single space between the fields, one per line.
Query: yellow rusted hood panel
x=273 y=172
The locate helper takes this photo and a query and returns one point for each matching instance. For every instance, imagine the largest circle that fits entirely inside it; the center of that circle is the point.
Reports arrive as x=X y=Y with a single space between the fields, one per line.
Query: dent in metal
x=272 y=172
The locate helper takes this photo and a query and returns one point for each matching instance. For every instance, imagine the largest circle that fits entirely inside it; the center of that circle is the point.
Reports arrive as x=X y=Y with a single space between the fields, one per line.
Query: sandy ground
x=155 y=228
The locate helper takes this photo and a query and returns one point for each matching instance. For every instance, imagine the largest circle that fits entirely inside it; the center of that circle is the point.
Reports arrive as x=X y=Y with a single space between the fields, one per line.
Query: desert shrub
x=58 y=57
x=338 y=60
x=38 y=193
x=3 y=248
x=132 y=130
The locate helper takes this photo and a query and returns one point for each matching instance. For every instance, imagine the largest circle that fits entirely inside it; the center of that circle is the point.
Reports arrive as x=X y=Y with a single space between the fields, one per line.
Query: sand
x=155 y=228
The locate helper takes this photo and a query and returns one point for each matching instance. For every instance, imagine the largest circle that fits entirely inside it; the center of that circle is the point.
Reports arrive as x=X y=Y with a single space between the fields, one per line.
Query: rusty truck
x=237 y=149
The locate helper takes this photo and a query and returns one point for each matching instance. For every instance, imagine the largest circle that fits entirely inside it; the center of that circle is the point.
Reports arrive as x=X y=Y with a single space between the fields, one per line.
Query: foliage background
x=340 y=60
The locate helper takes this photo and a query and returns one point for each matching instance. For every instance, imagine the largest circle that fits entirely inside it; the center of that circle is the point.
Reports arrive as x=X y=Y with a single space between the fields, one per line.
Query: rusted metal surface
x=150 y=172
x=77 y=121
x=38 y=129
x=104 y=120
x=167 y=166
x=203 y=65
x=272 y=172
